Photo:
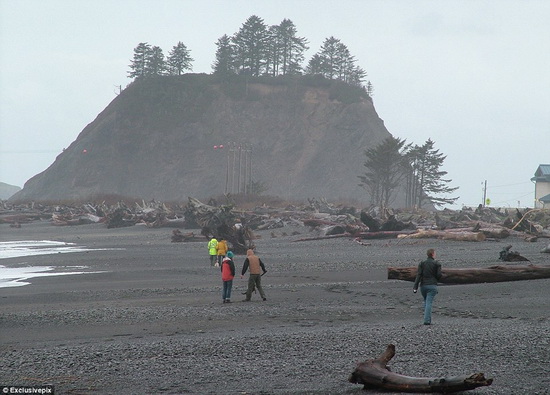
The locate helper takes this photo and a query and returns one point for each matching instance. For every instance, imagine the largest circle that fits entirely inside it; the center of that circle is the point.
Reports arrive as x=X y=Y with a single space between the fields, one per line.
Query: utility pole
x=227 y=170
x=484 y=193
x=240 y=167
x=249 y=182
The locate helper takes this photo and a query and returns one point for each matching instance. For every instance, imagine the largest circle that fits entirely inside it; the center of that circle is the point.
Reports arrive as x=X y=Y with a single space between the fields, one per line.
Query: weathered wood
x=511 y=256
x=323 y=237
x=491 y=274
x=495 y=233
x=385 y=235
x=375 y=373
x=178 y=237
x=445 y=235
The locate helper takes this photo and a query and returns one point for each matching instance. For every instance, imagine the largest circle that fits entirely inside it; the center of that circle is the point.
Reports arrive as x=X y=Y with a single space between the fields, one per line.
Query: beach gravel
x=147 y=317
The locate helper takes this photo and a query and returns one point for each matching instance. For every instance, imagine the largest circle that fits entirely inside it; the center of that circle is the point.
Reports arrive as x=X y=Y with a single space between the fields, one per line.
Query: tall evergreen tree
x=315 y=65
x=356 y=76
x=425 y=182
x=385 y=169
x=156 y=64
x=251 y=43
x=370 y=89
x=273 y=51
x=334 y=61
x=329 y=55
x=292 y=48
x=179 y=59
x=225 y=56
x=139 y=64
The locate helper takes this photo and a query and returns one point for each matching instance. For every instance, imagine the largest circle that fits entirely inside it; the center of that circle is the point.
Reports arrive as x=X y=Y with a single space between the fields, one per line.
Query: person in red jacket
x=228 y=273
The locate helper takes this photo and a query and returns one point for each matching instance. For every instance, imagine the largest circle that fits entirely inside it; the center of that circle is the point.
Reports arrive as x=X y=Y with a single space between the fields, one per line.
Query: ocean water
x=19 y=276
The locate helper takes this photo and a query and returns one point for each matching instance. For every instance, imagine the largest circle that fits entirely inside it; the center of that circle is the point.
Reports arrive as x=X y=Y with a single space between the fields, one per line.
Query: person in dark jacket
x=228 y=273
x=255 y=280
x=427 y=276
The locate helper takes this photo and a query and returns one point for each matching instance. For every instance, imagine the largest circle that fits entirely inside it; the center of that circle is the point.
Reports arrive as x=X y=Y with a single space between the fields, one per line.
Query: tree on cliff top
x=179 y=59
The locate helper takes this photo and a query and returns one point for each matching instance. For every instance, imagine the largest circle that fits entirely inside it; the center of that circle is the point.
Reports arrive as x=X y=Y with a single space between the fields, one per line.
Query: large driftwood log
x=385 y=234
x=375 y=373
x=491 y=274
x=445 y=235
x=323 y=237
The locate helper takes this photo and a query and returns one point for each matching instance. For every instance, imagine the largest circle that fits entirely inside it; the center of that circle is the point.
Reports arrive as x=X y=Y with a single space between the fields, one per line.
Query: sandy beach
x=150 y=318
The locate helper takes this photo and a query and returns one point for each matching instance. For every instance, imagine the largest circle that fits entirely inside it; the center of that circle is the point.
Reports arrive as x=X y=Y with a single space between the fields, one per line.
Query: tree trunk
x=491 y=274
x=375 y=373
x=445 y=235
x=389 y=234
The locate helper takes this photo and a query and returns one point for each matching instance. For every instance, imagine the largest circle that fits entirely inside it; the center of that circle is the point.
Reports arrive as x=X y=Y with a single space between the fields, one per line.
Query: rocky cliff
x=162 y=138
x=7 y=190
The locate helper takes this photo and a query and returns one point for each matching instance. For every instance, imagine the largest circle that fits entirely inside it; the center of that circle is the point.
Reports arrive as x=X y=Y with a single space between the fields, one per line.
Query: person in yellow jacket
x=213 y=250
x=222 y=250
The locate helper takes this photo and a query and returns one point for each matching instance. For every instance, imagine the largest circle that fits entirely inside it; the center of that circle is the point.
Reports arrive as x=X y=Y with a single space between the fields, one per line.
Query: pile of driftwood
x=323 y=219
x=222 y=222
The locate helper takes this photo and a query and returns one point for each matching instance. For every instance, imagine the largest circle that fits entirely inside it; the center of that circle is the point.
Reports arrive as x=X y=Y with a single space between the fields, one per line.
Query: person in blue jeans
x=427 y=276
x=228 y=273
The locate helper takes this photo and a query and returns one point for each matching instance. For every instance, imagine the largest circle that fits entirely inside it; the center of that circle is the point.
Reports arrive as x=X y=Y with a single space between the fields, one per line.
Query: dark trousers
x=254 y=281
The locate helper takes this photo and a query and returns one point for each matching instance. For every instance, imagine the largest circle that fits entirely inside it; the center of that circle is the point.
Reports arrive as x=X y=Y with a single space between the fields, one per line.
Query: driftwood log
x=323 y=237
x=491 y=274
x=445 y=235
x=375 y=374
x=385 y=234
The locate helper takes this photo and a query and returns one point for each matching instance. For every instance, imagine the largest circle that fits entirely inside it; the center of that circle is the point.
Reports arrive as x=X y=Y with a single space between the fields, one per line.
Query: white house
x=542 y=186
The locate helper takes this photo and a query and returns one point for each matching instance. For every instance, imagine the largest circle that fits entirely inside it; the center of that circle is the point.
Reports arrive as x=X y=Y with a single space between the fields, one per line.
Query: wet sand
x=153 y=321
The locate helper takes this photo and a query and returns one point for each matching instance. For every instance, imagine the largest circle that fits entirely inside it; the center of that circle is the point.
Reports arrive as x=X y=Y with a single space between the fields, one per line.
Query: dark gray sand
x=153 y=321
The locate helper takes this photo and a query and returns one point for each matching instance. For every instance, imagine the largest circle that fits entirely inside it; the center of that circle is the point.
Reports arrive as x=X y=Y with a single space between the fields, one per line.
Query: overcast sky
x=474 y=76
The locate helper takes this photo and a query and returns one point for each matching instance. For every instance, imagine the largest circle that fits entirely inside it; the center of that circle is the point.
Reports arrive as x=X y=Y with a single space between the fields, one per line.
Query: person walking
x=213 y=250
x=228 y=273
x=427 y=276
x=222 y=250
x=255 y=265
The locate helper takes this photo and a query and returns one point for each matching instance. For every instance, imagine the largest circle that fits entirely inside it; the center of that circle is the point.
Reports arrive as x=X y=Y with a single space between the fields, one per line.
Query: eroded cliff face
x=157 y=141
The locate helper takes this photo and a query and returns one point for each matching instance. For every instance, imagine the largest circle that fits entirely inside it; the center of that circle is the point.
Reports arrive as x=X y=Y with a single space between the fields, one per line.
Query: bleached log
x=375 y=374
x=388 y=234
x=445 y=235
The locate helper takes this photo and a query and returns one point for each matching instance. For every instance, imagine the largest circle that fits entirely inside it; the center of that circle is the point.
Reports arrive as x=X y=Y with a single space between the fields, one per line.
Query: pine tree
x=179 y=59
x=225 y=56
x=251 y=43
x=334 y=61
x=292 y=48
x=385 y=170
x=138 y=67
x=273 y=51
x=425 y=182
x=370 y=89
x=156 y=63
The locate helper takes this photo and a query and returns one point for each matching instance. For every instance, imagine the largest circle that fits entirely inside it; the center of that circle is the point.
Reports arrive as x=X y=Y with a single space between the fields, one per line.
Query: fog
x=474 y=76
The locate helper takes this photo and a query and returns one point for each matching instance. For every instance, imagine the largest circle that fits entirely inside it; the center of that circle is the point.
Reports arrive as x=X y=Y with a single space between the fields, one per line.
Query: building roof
x=542 y=174
x=543 y=170
x=545 y=199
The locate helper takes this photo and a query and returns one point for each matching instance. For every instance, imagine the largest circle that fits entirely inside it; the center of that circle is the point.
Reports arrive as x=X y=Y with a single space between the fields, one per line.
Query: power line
x=30 y=152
